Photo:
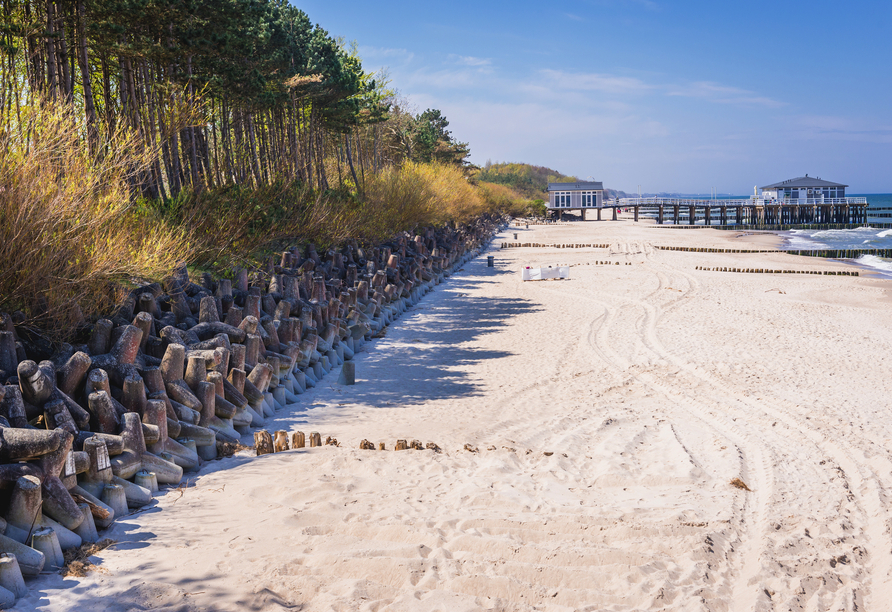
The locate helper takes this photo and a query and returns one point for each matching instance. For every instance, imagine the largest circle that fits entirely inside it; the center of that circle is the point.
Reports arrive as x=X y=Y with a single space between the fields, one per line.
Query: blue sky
x=672 y=96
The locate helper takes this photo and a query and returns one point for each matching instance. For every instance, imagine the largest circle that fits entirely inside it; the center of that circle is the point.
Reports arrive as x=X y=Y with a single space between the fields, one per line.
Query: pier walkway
x=747 y=212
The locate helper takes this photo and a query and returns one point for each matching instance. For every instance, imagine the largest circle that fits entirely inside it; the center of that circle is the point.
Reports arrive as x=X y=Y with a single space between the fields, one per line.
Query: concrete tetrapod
x=87 y=529
x=57 y=501
x=156 y=414
x=24 y=514
x=30 y=561
x=11 y=575
x=348 y=373
x=147 y=480
x=45 y=540
x=113 y=495
x=135 y=456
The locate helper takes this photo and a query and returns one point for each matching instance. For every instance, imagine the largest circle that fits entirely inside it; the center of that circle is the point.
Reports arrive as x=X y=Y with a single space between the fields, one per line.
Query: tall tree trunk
x=108 y=111
x=227 y=140
x=65 y=85
x=193 y=152
x=252 y=145
x=215 y=126
x=83 y=58
x=52 y=81
x=157 y=176
x=350 y=162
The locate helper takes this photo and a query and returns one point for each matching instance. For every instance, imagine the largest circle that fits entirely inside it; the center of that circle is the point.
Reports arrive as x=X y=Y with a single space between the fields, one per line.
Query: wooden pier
x=752 y=213
x=748 y=212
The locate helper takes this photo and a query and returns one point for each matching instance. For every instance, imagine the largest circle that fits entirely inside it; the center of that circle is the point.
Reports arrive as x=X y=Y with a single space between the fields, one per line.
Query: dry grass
x=414 y=195
x=737 y=482
x=73 y=234
x=69 y=234
x=77 y=560
x=501 y=198
x=231 y=225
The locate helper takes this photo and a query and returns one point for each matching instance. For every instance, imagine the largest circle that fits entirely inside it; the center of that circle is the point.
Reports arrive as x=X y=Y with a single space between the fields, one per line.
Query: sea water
x=860 y=238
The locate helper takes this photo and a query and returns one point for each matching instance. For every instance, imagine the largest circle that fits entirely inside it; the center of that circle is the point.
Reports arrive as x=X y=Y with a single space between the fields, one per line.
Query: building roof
x=803 y=181
x=575 y=186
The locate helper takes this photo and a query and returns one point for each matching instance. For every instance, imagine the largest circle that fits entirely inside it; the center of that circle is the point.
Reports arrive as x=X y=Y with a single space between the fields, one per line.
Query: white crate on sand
x=529 y=274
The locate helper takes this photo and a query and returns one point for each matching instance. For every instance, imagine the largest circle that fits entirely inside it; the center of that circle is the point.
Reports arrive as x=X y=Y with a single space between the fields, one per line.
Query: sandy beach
x=590 y=430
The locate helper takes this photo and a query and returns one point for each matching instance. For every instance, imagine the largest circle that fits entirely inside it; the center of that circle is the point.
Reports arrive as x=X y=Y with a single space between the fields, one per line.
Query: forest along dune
x=607 y=418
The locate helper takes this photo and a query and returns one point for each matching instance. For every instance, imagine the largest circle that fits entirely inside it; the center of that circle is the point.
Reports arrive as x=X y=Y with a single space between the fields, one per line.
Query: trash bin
x=490 y=261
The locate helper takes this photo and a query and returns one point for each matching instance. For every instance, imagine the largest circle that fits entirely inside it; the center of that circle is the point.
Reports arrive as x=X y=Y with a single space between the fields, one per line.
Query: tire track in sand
x=753 y=452
x=863 y=479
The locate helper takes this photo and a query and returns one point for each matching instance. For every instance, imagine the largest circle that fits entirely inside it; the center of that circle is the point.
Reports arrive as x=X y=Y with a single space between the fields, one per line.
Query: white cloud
x=466 y=60
x=385 y=56
x=723 y=94
x=582 y=81
x=827 y=127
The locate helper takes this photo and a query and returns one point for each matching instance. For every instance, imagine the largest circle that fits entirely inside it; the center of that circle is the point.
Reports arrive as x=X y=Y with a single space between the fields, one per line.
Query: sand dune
x=607 y=416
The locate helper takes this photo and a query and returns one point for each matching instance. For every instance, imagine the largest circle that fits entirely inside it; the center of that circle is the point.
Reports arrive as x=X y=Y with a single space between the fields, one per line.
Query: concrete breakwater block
x=11 y=577
x=44 y=540
x=348 y=373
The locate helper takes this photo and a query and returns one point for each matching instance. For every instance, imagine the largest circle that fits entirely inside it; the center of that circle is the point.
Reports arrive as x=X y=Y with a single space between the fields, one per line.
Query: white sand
x=653 y=385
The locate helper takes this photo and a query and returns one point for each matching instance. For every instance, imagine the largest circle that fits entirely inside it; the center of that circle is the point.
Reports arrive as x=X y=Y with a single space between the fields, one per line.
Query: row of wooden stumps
x=714 y=250
x=767 y=271
x=401 y=445
x=515 y=245
x=266 y=444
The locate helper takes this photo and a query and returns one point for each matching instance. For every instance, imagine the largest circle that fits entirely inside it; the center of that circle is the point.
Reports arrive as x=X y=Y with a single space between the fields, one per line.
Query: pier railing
x=701 y=202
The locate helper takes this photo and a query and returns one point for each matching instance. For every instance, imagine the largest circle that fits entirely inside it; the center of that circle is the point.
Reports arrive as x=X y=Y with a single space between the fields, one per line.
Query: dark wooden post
x=636 y=214
x=692 y=215
x=614 y=213
x=724 y=215
x=660 y=217
x=738 y=215
x=599 y=214
x=706 y=214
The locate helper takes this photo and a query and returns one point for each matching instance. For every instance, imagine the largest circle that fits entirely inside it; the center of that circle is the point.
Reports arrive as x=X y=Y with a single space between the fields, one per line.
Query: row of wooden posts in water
x=826 y=253
x=770 y=227
x=514 y=245
x=771 y=271
x=178 y=374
